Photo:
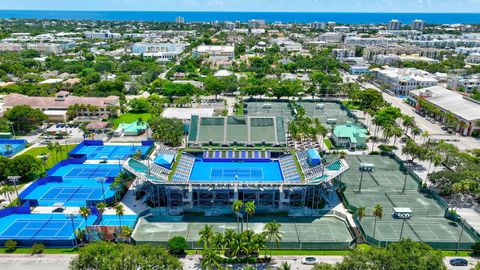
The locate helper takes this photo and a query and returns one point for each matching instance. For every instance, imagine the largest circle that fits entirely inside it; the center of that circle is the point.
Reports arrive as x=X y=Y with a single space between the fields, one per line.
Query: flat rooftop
x=450 y=101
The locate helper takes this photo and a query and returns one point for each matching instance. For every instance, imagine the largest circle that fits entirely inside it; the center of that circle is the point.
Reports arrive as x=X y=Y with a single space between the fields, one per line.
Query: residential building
x=215 y=52
x=394 y=25
x=256 y=23
x=104 y=34
x=400 y=81
x=318 y=25
x=341 y=29
x=370 y=52
x=180 y=20
x=230 y=25
x=287 y=44
x=56 y=107
x=418 y=25
x=473 y=58
x=454 y=107
x=341 y=54
x=161 y=51
x=464 y=83
x=331 y=37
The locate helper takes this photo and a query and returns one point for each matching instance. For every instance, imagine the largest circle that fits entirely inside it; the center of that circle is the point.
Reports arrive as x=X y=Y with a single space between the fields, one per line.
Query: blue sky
x=413 y=6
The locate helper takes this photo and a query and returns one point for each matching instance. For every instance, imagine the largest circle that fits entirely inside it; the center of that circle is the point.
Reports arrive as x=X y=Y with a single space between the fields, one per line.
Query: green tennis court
x=312 y=232
x=324 y=111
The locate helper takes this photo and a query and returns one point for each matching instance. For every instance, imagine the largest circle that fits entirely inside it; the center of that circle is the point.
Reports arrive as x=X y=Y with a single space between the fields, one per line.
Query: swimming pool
x=225 y=171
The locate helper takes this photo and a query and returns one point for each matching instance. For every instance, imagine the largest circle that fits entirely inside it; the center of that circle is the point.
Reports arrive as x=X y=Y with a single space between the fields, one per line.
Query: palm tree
x=85 y=212
x=7 y=190
x=425 y=135
x=377 y=213
x=250 y=209
x=361 y=213
x=397 y=132
x=119 y=211
x=206 y=235
x=415 y=132
x=285 y=266
x=408 y=122
x=320 y=130
x=237 y=207
x=101 y=206
x=51 y=148
x=210 y=259
x=388 y=132
x=58 y=148
x=8 y=148
x=229 y=239
x=273 y=233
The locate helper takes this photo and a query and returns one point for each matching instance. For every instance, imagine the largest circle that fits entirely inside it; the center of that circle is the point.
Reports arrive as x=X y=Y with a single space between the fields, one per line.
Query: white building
x=180 y=20
x=10 y=47
x=418 y=25
x=318 y=25
x=287 y=44
x=473 y=58
x=359 y=41
x=400 y=81
x=215 y=52
x=464 y=83
x=331 y=37
x=256 y=23
x=341 y=54
x=394 y=25
x=341 y=29
x=464 y=109
x=161 y=51
x=104 y=34
x=230 y=25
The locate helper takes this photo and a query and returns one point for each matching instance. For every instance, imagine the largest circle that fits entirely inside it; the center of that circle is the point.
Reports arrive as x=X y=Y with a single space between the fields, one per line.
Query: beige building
x=56 y=107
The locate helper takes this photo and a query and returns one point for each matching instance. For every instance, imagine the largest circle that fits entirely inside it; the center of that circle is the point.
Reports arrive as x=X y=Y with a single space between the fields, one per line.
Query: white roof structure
x=223 y=73
x=51 y=81
x=402 y=210
x=186 y=113
x=450 y=101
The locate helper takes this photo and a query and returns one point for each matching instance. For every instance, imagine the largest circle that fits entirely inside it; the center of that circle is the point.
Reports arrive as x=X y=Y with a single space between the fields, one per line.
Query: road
x=435 y=131
x=37 y=262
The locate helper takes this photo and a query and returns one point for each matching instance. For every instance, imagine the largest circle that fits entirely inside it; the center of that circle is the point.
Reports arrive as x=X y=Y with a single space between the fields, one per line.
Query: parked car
x=458 y=262
x=310 y=260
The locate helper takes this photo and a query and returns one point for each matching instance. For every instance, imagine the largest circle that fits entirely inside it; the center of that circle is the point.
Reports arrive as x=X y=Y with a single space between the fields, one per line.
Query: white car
x=310 y=260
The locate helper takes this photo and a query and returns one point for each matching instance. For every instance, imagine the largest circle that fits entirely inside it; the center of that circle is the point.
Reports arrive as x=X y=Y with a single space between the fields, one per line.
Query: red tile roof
x=12 y=100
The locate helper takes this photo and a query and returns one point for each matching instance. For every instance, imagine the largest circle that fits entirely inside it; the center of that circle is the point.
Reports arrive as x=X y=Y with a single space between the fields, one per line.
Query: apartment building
x=104 y=34
x=418 y=25
x=341 y=54
x=400 y=81
x=394 y=25
x=161 y=51
x=464 y=83
x=215 y=52
x=318 y=25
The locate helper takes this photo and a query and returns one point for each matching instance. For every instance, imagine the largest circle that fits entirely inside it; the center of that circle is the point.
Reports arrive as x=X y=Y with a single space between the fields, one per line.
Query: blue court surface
x=79 y=185
x=112 y=220
x=85 y=171
x=110 y=152
x=11 y=147
x=236 y=171
x=40 y=226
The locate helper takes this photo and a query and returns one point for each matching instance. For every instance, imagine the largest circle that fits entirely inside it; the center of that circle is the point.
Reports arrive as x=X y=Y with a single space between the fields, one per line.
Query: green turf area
x=130 y=117
x=327 y=143
x=46 y=251
x=54 y=157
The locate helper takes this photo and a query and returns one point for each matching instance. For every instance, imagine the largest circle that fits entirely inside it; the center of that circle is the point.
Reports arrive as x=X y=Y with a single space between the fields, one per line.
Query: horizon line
x=231 y=11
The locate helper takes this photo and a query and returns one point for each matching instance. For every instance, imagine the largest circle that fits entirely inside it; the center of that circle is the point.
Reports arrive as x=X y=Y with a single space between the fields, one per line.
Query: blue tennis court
x=60 y=194
x=113 y=220
x=81 y=184
x=239 y=173
x=110 y=152
x=249 y=171
x=9 y=147
x=51 y=229
x=87 y=171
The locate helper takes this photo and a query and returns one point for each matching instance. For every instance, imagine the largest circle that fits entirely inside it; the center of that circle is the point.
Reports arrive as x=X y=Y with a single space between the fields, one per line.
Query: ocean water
x=285 y=17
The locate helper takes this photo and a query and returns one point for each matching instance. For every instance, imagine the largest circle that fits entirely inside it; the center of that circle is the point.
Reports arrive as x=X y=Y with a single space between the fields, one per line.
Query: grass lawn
x=130 y=117
x=46 y=251
x=53 y=157
x=327 y=143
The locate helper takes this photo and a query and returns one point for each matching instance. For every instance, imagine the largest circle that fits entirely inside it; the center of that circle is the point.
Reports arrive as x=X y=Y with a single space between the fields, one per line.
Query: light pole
x=407 y=165
x=72 y=216
x=14 y=180
x=401 y=231
x=119 y=165
x=101 y=180
x=361 y=179
x=460 y=238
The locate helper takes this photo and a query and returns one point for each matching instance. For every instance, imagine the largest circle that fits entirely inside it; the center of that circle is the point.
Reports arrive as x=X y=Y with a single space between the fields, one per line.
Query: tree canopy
x=25 y=118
